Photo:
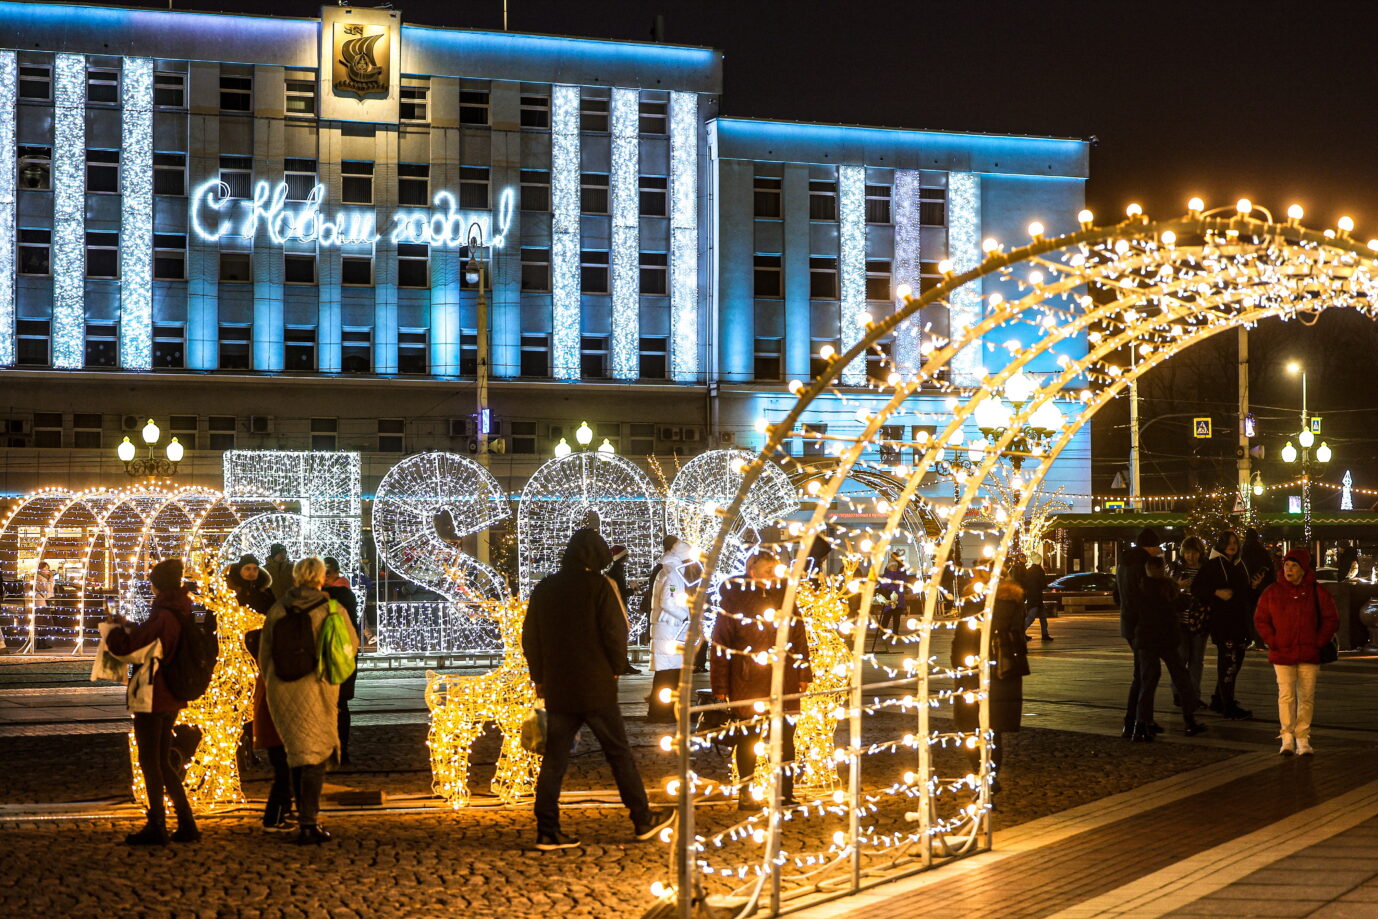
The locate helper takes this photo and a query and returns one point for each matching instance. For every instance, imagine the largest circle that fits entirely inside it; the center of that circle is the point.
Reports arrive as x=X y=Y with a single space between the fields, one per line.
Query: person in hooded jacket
x=337 y=587
x=1008 y=661
x=1295 y=616
x=279 y=568
x=1156 y=639
x=1225 y=586
x=574 y=639
x=252 y=584
x=1131 y=586
x=170 y=613
x=669 y=625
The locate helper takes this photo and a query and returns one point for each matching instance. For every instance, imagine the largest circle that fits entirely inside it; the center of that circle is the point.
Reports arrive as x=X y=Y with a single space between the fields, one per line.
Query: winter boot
x=1143 y=732
x=1128 y=732
x=152 y=834
x=1192 y=726
x=1289 y=745
x=1215 y=705
x=1234 y=712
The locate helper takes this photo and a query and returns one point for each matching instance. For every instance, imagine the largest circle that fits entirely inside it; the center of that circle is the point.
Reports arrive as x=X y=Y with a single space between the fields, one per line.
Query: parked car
x=1095 y=588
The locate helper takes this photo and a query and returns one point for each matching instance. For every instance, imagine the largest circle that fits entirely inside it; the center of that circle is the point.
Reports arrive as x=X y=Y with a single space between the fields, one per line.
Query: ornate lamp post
x=151 y=465
x=994 y=417
x=1306 y=437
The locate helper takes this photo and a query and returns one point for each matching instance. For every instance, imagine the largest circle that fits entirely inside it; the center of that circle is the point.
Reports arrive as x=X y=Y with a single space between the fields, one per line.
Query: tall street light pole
x=476 y=272
x=1306 y=437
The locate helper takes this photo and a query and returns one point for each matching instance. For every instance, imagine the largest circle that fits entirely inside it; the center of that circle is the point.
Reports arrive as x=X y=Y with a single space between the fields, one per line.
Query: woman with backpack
x=303 y=702
x=153 y=729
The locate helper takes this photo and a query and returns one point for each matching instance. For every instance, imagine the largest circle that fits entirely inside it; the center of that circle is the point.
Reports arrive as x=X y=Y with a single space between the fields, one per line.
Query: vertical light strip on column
x=964 y=249
x=851 y=216
x=564 y=232
x=684 y=237
x=136 y=215
x=69 y=212
x=904 y=203
x=626 y=234
x=8 y=168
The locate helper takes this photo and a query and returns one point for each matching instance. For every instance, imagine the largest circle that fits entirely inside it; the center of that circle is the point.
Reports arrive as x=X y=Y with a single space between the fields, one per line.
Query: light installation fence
x=911 y=790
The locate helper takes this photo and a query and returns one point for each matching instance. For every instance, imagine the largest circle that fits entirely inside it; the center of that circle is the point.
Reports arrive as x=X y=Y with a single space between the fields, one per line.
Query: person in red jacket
x=1295 y=617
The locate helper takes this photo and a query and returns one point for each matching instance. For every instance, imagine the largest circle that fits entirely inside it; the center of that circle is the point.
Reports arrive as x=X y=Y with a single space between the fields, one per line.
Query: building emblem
x=361 y=59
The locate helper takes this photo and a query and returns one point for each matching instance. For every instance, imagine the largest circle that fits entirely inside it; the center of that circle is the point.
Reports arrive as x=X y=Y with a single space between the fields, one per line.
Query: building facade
x=286 y=233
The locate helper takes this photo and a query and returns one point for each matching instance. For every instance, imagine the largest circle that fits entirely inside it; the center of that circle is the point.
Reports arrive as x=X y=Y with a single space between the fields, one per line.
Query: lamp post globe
x=125 y=451
x=175 y=451
x=584 y=434
x=1306 y=438
x=1289 y=453
x=1323 y=453
x=151 y=433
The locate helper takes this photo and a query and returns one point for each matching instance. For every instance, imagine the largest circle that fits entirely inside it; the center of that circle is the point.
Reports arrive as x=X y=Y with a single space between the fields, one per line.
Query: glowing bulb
x=839 y=838
x=175 y=451
x=1289 y=453
x=1295 y=212
x=658 y=889
x=672 y=787
x=945 y=266
x=667 y=743
x=1019 y=388
x=584 y=434
x=1195 y=204
x=1323 y=453
x=1133 y=210
x=826 y=352
x=666 y=694
x=903 y=292
x=863 y=318
x=989 y=244
x=1036 y=229
x=1293 y=367
x=563 y=449
x=762 y=425
x=1244 y=206
x=1085 y=217
x=1169 y=238
x=606 y=447
x=1346 y=224
x=150 y=433
x=1306 y=438
x=125 y=451
x=1258 y=488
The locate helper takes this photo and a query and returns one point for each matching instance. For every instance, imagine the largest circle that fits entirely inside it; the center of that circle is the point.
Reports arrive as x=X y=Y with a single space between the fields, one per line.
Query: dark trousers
x=1131 y=710
x=153 y=738
x=658 y=712
x=746 y=754
x=307 y=782
x=1150 y=670
x=606 y=724
x=342 y=724
x=280 y=795
x=1036 y=611
x=1228 y=661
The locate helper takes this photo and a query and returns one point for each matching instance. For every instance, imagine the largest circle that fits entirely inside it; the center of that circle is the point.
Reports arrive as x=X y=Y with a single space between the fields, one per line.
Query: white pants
x=1296 y=698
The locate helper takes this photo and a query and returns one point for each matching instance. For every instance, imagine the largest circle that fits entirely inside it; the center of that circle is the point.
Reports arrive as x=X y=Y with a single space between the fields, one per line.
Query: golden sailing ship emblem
x=361 y=59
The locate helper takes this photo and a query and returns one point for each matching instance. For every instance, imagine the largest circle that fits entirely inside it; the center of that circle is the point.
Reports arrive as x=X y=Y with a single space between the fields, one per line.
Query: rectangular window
x=86 y=430
x=237 y=174
x=654 y=201
x=473 y=188
x=468 y=353
x=234 y=347
x=356 y=271
x=300 y=176
x=535 y=112
x=35 y=251
x=413 y=265
x=220 y=430
x=169 y=90
x=103 y=87
x=593 y=271
x=822 y=277
x=535 y=269
x=236 y=93
x=413 y=184
x=391 y=437
x=170 y=256
x=473 y=106
x=324 y=433
x=593 y=115
x=170 y=174
x=536 y=190
x=535 y=356
x=768 y=276
x=769 y=363
x=641 y=439
x=412 y=103
x=655 y=353
x=929 y=276
x=816 y=363
x=411 y=352
x=766 y=197
x=183 y=427
x=878 y=279
x=653 y=116
x=103 y=171
x=301 y=94
x=300 y=348
x=169 y=347
x=877 y=203
x=933 y=207
x=655 y=273
x=235 y=268
x=593 y=357
x=822 y=200
x=356 y=352
x=298 y=268
x=31 y=342
x=593 y=192
x=523 y=439
x=35 y=168
x=101 y=348
x=356 y=182
x=815 y=443
x=47 y=430
x=36 y=83
x=102 y=254
x=878 y=361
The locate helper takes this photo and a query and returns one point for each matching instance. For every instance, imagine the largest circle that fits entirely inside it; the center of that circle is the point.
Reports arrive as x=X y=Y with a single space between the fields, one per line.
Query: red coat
x=741 y=628
x=164 y=623
x=1286 y=620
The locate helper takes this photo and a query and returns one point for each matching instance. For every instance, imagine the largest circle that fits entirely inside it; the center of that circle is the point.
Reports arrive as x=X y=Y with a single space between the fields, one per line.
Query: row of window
x=769 y=277
x=237 y=96
x=768 y=365
x=768 y=201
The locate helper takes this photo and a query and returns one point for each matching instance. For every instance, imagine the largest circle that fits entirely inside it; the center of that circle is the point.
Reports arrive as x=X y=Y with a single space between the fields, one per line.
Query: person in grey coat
x=305 y=710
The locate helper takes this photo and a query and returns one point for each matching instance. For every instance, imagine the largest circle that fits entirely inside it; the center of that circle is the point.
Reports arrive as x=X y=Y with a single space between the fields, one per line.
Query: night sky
x=1266 y=99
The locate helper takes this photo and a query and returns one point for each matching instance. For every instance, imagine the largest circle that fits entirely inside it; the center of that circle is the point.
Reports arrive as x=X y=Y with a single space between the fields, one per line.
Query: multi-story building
x=257 y=231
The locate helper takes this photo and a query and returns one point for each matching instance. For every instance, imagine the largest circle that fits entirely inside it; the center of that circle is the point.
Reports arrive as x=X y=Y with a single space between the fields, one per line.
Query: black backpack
x=187 y=674
x=294 y=644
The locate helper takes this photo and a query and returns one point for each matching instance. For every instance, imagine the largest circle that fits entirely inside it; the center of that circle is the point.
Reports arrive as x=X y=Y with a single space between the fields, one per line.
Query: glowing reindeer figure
x=461 y=706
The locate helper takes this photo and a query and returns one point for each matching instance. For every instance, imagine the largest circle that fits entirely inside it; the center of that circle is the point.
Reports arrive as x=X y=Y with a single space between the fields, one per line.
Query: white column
x=684 y=237
x=904 y=202
x=626 y=234
x=136 y=214
x=69 y=212
x=851 y=217
x=964 y=249
x=564 y=232
x=8 y=165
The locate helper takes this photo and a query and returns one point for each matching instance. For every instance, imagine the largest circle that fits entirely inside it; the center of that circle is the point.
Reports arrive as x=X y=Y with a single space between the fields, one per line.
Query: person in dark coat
x=1193 y=616
x=252 y=585
x=171 y=612
x=252 y=588
x=1009 y=664
x=337 y=588
x=575 y=642
x=618 y=575
x=745 y=627
x=1156 y=639
x=1347 y=565
x=1130 y=585
x=1035 y=582
x=893 y=587
x=279 y=568
x=1225 y=586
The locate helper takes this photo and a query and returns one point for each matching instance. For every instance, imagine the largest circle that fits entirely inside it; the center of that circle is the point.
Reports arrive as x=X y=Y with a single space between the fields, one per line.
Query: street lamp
x=994 y=418
x=584 y=434
x=1307 y=438
x=151 y=465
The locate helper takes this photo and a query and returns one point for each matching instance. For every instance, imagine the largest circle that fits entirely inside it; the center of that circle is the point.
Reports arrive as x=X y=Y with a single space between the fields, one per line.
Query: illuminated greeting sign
x=215 y=215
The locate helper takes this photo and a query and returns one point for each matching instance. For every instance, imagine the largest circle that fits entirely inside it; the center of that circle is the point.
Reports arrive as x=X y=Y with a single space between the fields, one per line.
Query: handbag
x=334 y=649
x=1330 y=651
x=534 y=730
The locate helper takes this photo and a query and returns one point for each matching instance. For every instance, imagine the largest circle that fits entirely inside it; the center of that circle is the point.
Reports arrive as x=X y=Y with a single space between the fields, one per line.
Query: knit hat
x=1301 y=557
x=246 y=559
x=276 y=548
x=618 y=552
x=167 y=575
x=1147 y=537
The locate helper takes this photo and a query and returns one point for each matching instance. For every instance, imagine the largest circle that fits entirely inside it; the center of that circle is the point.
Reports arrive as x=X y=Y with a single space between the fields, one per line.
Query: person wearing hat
x=1225 y=586
x=279 y=570
x=894 y=589
x=1132 y=587
x=251 y=583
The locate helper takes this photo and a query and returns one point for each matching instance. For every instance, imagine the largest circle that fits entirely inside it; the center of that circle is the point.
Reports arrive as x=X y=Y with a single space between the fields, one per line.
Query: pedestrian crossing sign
x=1201 y=428
x=1315 y=424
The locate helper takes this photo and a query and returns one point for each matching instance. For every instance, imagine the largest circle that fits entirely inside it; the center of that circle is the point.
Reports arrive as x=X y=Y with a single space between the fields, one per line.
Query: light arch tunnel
x=1142 y=288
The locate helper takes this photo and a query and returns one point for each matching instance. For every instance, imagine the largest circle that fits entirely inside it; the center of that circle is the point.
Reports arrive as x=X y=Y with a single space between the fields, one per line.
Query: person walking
x=279 y=569
x=746 y=626
x=1009 y=664
x=170 y=613
x=1296 y=618
x=338 y=589
x=1156 y=640
x=1225 y=586
x=1035 y=582
x=305 y=710
x=1193 y=616
x=1130 y=585
x=669 y=627
x=574 y=639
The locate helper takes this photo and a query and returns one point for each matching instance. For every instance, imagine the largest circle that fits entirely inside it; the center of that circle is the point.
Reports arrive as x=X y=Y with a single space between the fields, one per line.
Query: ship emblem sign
x=361 y=59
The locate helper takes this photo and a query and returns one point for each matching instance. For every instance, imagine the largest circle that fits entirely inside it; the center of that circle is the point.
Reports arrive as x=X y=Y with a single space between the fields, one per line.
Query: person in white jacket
x=669 y=625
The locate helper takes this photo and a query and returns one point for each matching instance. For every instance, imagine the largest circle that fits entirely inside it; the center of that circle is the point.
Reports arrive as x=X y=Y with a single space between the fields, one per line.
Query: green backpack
x=334 y=648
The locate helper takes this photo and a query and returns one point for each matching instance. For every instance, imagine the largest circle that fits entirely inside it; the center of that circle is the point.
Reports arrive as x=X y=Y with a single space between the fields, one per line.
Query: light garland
x=136 y=214
x=964 y=253
x=68 y=253
x=851 y=216
x=565 y=182
x=626 y=234
x=684 y=237
x=9 y=169
x=905 y=202
x=327 y=486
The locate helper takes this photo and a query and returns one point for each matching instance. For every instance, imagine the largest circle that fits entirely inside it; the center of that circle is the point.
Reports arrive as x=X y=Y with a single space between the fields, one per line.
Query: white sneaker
x=1289 y=745
x=1304 y=747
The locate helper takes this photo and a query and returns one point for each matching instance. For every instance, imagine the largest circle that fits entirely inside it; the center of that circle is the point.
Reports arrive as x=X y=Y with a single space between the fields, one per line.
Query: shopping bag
x=335 y=649
x=106 y=666
x=534 y=730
